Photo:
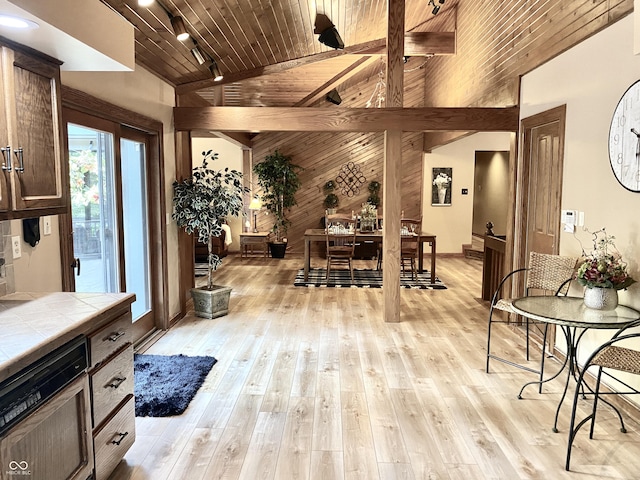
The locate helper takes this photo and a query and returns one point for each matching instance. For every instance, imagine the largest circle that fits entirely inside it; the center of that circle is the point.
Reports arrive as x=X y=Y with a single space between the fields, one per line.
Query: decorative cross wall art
x=441 y=189
x=350 y=178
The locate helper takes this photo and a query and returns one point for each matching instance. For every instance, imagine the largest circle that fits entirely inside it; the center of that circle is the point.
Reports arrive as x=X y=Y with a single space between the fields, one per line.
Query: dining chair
x=546 y=274
x=615 y=358
x=341 y=241
x=410 y=228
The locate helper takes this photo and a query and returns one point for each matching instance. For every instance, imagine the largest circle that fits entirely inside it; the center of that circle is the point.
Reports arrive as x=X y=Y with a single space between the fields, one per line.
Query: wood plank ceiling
x=271 y=56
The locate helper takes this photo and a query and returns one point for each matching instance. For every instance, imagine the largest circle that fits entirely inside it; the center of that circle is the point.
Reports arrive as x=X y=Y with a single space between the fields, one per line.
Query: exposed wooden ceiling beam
x=416 y=44
x=328 y=119
x=343 y=76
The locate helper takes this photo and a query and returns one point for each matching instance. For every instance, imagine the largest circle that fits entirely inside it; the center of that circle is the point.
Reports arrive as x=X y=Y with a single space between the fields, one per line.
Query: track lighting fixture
x=436 y=8
x=215 y=71
x=198 y=55
x=177 y=23
x=145 y=3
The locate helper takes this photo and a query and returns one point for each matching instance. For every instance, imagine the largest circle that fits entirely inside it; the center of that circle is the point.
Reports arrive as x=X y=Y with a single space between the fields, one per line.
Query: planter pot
x=601 y=298
x=211 y=303
x=278 y=249
x=331 y=211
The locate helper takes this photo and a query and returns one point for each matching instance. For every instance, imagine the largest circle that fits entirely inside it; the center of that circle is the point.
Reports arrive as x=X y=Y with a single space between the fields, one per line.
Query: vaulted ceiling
x=270 y=55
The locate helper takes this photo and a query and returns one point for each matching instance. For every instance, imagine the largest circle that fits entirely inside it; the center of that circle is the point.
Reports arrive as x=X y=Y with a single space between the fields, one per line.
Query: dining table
x=312 y=235
x=575 y=319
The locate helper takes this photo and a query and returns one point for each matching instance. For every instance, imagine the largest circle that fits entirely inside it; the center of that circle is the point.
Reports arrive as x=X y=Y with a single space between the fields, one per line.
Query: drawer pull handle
x=118 y=438
x=116 y=382
x=115 y=336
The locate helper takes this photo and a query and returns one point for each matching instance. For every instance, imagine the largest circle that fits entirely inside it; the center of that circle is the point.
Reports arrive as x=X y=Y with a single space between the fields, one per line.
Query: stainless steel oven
x=45 y=418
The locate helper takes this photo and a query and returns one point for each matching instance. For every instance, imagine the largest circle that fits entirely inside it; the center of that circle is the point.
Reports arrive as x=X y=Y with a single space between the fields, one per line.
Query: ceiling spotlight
x=145 y=3
x=334 y=97
x=179 y=29
x=198 y=55
x=328 y=33
x=16 y=22
x=215 y=71
x=436 y=8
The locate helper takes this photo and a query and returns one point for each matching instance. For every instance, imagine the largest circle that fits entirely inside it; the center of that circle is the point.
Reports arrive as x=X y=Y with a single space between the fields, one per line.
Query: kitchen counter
x=33 y=324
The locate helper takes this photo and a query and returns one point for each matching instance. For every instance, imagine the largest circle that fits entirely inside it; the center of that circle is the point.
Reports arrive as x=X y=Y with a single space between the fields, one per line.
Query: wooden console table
x=250 y=240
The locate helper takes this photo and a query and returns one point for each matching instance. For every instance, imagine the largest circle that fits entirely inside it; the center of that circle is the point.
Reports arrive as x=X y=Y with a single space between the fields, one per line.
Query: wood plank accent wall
x=498 y=44
x=323 y=154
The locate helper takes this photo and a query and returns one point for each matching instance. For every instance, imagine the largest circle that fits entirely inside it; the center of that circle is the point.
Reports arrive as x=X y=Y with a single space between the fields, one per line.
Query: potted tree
x=200 y=204
x=278 y=178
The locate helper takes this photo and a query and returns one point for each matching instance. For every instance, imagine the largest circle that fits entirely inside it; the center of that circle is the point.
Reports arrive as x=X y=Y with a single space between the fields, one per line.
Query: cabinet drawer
x=109 y=339
x=111 y=384
x=116 y=437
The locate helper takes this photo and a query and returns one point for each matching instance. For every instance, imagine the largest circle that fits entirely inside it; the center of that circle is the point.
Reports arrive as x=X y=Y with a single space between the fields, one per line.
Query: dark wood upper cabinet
x=34 y=174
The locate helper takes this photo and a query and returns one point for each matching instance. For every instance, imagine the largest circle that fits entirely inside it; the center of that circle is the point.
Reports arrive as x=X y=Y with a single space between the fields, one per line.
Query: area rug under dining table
x=364 y=278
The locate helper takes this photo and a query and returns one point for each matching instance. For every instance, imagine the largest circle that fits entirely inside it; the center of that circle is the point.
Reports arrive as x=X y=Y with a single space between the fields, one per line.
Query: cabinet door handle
x=116 y=382
x=115 y=336
x=6 y=156
x=20 y=154
x=118 y=438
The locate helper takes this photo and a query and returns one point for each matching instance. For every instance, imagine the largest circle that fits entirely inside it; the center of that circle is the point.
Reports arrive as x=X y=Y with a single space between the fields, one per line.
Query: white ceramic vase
x=442 y=193
x=601 y=298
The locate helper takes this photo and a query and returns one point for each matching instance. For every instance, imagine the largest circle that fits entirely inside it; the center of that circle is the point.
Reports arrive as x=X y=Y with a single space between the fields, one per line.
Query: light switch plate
x=15 y=247
x=46 y=225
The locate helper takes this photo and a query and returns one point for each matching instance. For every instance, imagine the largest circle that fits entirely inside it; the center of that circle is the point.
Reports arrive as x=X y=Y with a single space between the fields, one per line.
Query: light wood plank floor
x=312 y=384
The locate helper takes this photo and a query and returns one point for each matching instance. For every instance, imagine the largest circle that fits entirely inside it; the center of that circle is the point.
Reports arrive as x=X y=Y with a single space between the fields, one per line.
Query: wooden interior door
x=543 y=147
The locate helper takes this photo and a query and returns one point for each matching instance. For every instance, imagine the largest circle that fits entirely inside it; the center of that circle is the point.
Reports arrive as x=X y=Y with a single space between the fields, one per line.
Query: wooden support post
x=393 y=164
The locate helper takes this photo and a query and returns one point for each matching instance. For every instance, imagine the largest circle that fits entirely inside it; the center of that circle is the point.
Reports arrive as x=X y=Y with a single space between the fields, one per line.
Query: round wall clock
x=624 y=139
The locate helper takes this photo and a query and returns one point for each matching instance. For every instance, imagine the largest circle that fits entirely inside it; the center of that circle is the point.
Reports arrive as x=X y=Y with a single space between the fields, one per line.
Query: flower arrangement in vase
x=603 y=272
x=441 y=182
x=368 y=217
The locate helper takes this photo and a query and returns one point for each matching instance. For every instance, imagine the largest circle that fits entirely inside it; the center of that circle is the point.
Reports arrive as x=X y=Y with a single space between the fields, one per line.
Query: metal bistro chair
x=546 y=274
x=341 y=241
x=410 y=228
x=613 y=357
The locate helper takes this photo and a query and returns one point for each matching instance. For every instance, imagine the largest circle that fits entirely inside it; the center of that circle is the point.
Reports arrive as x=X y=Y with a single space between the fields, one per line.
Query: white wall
x=590 y=79
x=229 y=155
x=453 y=224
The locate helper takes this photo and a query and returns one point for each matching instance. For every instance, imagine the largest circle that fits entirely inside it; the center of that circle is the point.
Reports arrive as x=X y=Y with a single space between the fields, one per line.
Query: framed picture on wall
x=441 y=186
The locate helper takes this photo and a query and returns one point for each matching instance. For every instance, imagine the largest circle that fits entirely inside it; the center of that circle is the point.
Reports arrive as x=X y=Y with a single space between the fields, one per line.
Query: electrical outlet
x=15 y=247
x=46 y=225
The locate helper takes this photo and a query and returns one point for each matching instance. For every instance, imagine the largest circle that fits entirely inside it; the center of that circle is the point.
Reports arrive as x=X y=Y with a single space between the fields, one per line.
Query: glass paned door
x=91 y=160
x=110 y=214
x=134 y=224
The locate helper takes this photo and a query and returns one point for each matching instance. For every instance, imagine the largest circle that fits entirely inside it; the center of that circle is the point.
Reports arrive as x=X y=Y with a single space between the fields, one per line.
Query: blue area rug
x=363 y=278
x=165 y=385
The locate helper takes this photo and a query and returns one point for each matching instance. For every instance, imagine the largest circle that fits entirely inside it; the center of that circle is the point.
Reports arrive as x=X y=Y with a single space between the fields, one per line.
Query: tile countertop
x=33 y=324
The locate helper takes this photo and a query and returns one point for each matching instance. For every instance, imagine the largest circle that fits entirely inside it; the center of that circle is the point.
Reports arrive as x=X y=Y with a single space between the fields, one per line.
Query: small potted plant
x=374 y=190
x=278 y=178
x=200 y=204
x=331 y=201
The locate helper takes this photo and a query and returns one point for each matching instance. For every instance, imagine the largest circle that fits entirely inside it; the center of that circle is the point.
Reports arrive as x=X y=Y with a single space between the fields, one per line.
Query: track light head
x=436 y=8
x=331 y=38
x=177 y=23
x=215 y=71
x=198 y=55
x=334 y=97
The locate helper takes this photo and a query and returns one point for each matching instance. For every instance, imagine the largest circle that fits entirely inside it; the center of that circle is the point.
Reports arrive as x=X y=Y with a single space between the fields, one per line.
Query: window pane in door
x=93 y=213
x=134 y=223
